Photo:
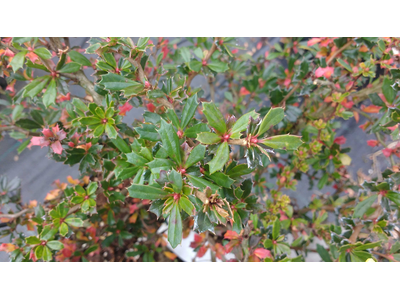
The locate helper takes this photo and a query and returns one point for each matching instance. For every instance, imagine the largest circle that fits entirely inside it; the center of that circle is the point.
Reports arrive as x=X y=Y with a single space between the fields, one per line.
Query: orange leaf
x=7 y=247
x=372 y=109
x=170 y=255
x=231 y=235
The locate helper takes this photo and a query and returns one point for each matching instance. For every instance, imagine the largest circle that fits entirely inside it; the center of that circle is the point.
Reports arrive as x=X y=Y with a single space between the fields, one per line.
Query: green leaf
x=79 y=58
x=322 y=182
x=18 y=61
x=273 y=117
x=346 y=66
x=90 y=120
x=50 y=95
x=48 y=232
x=70 y=68
x=214 y=117
x=39 y=252
x=208 y=138
x=55 y=245
x=156 y=207
x=176 y=180
x=221 y=179
x=115 y=82
x=136 y=159
x=202 y=183
x=47 y=256
x=218 y=66
x=195 y=65
x=99 y=130
x=92 y=188
x=387 y=90
x=242 y=122
x=173 y=118
x=196 y=129
x=43 y=53
x=28 y=124
x=367 y=246
x=121 y=145
x=363 y=206
x=36 y=86
x=170 y=141
x=285 y=142
x=189 y=110
x=393 y=196
x=175 y=226
x=33 y=240
x=323 y=253
x=220 y=158
x=185 y=53
x=276 y=229
x=110 y=131
x=146 y=192
x=186 y=205
x=74 y=221
x=63 y=229
x=159 y=164
x=196 y=155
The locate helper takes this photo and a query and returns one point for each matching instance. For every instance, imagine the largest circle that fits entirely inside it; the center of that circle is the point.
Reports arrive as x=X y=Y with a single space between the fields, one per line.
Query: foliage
x=221 y=166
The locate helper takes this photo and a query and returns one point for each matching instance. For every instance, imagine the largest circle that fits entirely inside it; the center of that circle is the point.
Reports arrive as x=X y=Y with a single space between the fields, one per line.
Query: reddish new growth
x=86 y=197
x=177 y=196
x=179 y=133
x=52 y=138
x=225 y=137
x=54 y=74
x=104 y=121
x=254 y=140
x=182 y=170
x=147 y=85
x=204 y=63
x=383 y=193
x=43 y=243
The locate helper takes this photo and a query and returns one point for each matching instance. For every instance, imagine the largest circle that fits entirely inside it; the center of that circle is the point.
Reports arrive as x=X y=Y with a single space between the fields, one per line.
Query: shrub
x=220 y=165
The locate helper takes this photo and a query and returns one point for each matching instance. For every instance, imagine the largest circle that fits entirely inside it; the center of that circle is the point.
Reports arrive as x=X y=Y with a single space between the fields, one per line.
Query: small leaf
x=18 y=61
x=220 y=158
x=285 y=142
x=363 y=206
x=208 y=138
x=323 y=253
x=170 y=141
x=146 y=192
x=214 y=117
x=196 y=155
x=189 y=110
x=74 y=222
x=43 y=53
x=79 y=58
x=273 y=117
x=175 y=226
x=49 y=97
x=242 y=122
x=55 y=245
x=186 y=205
x=70 y=68
x=276 y=229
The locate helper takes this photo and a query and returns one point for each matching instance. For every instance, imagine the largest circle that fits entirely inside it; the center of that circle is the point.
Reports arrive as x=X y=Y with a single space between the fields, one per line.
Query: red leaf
x=231 y=235
x=372 y=109
x=262 y=253
x=202 y=251
x=372 y=143
x=340 y=140
x=387 y=152
x=327 y=72
x=124 y=109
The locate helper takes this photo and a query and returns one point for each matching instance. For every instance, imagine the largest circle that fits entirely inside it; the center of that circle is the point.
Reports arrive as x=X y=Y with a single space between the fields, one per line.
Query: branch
x=84 y=82
x=339 y=51
x=330 y=83
x=16 y=215
x=12 y=127
x=138 y=66
x=290 y=93
x=212 y=50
